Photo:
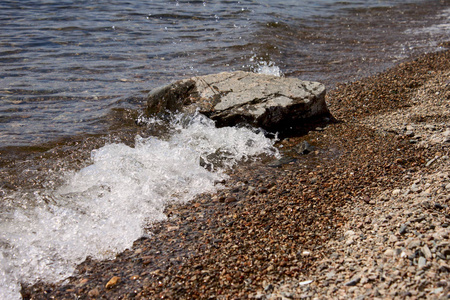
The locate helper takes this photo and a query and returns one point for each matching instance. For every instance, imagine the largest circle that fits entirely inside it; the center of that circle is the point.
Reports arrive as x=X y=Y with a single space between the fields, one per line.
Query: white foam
x=442 y=27
x=103 y=208
x=264 y=67
x=9 y=287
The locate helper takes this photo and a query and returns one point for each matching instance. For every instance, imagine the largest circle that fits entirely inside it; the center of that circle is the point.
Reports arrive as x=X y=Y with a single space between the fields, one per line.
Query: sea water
x=64 y=65
x=103 y=208
x=69 y=68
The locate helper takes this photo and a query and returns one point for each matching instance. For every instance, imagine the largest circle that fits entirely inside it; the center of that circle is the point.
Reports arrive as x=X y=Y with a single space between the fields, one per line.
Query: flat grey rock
x=265 y=101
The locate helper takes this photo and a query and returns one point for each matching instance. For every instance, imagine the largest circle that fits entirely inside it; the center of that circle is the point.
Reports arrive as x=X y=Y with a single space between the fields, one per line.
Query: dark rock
x=280 y=162
x=354 y=281
x=304 y=148
x=446 y=252
x=265 y=101
x=438 y=206
x=403 y=229
x=406 y=294
x=230 y=199
x=444 y=269
x=442 y=283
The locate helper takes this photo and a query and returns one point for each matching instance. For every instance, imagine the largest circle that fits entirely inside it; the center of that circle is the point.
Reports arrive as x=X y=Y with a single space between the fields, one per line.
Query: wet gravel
x=280 y=230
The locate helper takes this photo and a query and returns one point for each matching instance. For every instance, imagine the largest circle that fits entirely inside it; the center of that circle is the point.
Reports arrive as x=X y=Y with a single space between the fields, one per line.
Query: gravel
x=364 y=215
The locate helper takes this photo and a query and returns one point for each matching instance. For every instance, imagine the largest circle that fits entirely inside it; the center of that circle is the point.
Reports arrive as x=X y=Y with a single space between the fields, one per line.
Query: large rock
x=265 y=101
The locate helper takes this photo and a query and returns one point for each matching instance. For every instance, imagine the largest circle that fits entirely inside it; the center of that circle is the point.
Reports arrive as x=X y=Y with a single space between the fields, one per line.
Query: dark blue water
x=64 y=65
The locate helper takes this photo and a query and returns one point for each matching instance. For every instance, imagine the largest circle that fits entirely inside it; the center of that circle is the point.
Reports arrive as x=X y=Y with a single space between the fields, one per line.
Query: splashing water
x=264 y=67
x=103 y=208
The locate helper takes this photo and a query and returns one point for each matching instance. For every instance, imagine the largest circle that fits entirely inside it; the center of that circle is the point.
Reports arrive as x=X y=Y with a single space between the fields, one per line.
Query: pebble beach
x=363 y=215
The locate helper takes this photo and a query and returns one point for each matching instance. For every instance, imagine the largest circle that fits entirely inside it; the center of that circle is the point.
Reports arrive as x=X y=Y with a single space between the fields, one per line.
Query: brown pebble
x=156 y=272
x=230 y=199
x=112 y=282
x=262 y=190
x=83 y=281
x=94 y=293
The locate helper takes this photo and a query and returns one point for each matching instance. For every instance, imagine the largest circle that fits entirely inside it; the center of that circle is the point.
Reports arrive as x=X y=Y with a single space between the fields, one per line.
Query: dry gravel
x=396 y=243
x=365 y=215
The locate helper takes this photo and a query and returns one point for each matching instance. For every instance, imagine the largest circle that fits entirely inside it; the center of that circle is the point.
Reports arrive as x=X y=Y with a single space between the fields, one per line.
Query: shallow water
x=78 y=178
x=103 y=208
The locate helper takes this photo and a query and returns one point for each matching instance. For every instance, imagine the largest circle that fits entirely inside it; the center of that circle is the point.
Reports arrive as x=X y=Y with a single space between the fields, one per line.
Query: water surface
x=65 y=65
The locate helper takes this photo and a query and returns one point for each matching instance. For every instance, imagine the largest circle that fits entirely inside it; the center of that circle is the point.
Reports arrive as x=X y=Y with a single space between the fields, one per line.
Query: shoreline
x=307 y=228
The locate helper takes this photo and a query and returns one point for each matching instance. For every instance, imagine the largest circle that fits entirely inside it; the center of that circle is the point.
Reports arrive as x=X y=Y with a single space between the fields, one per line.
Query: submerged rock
x=304 y=148
x=265 y=101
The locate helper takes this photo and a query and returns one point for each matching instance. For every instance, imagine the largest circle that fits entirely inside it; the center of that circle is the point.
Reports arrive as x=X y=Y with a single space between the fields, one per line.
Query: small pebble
x=422 y=262
x=112 y=282
x=403 y=229
x=354 y=281
x=94 y=293
x=389 y=252
x=426 y=251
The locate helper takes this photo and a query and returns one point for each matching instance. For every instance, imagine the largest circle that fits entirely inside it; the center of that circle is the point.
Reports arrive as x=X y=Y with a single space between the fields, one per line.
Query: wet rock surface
x=265 y=101
x=363 y=215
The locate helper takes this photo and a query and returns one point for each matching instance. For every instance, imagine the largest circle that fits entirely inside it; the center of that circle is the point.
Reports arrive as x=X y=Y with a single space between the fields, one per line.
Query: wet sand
x=283 y=231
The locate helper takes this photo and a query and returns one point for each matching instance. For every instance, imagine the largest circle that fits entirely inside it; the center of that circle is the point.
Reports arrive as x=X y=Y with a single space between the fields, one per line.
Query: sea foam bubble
x=103 y=208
